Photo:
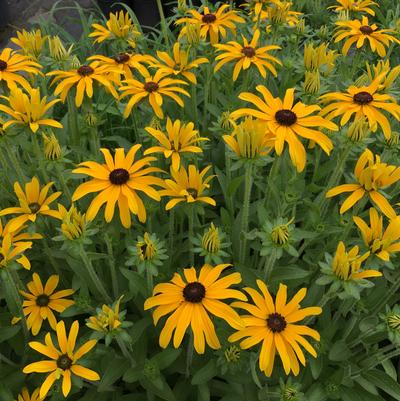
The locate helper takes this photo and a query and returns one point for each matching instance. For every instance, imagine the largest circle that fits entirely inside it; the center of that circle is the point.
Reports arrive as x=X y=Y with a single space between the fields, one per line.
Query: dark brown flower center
x=119 y=176
x=85 y=70
x=194 y=292
x=150 y=86
x=366 y=30
x=35 y=207
x=276 y=322
x=122 y=58
x=248 y=51
x=285 y=117
x=363 y=98
x=209 y=18
x=42 y=300
x=64 y=362
x=3 y=65
x=192 y=192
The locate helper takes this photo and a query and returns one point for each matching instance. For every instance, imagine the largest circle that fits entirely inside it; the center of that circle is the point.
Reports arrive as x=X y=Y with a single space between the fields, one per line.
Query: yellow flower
x=182 y=138
x=119 y=181
x=33 y=202
x=347 y=265
x=360 y=32
x=83 y=78
x=382 y=244
x=73 y=222
x=355 y=5
x=287 y=121
x=106 y=320
x=24 y=396
x=63 y=360
x=312 y=82
x=41 y=301
x=124 y=62
x=118 y=26
x=52 y=148
x=13 y=64
x=272 y=323
x=279 y=12
x=372 y=176
x=153 y=88
x=28 y=109
x=187 y=186
x=319 y=58
x=192 y=301
x=31 y=43
x=363 y=101
x=10 y=251
x=359 y=129
x=57 y=50
x=211 y=241
x=256 y=6
x=212 y=24
x=179 y=63
x=146 y=249
x=247 y=54
x=382 y=68
x=250 y=139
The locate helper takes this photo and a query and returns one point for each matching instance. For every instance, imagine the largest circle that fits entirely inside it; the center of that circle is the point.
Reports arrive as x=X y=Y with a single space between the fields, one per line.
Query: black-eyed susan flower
x=246 y=54
x=15 y=228
x=187 y=186
x=125 y=63
x=279 y=13
x=213 y=24
x=319 y=58
x=380 y=243
x=355 y=5
x=30 y=42
x=360 y=32
x=382 y=68
x=83 y=79
x=212 y=244
x=391 y=323
x=362 y=101
x=57 y=50
x=12 y=65
x=28 y=109
x=273 y=324
x=118 y=26
x=345 y=271
x=153 y=88
x=147 y=254
x=24 y=395
x=372 y=176
x=34 y=201
x=52 y=148
x=73 y=222
x=119 y=181
x=179 y=138
x=14 y=251
x=107 y=319
x=63 y=360
x=288 y=120
x=191 y=301
x=178 y=64
x=250 y=140
x=41 y=301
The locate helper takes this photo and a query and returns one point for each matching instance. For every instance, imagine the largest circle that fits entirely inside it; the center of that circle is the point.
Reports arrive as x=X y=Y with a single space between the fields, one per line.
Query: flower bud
x=52 y=148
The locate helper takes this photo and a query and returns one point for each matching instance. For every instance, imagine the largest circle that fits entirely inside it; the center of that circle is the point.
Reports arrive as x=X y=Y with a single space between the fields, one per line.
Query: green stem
x=60 y=175
x=171 y=234
x=377 y=360
x=7 y=361
x=163 y=22
x=189 y=354
x=73 y=121
x=193 y=96
x=39 y=157
x=248 y=183
x=95 y=279
x=206 y=96
x=362 y=336
x=15 y=163
x=149 y=280
x=386 y=297
x=269 y=264
x=111 y=263
x=228 y=168
x=324 y=300
x=190 y=234
x=125 y=351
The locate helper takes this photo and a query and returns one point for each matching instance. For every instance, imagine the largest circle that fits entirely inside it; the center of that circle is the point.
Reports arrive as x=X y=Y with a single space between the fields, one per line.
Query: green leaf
x=284 y=273
x=166 y=358
x=205 y=374
x=8 y=332
x=339 y=351
x=164 y=393
x=115 y=369
x=133 y=374
x=384 y=382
